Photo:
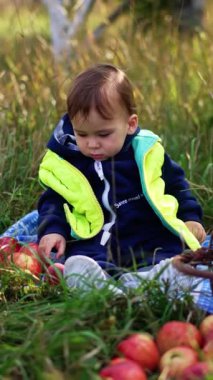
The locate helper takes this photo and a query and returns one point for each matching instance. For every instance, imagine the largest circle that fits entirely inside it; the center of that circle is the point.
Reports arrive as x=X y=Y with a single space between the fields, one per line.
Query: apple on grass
x=27 y=259
x=27 y=262
x=141 y=348
x=8 y=245
x=174 y=361
x=122 y=369
x=206 y=328
x=54 y=273
x=197 y=371
x=30 y=249
x=178 y=333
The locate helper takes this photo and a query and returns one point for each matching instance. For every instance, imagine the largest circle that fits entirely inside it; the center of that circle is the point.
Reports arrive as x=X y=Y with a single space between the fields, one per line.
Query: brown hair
x=91 y=88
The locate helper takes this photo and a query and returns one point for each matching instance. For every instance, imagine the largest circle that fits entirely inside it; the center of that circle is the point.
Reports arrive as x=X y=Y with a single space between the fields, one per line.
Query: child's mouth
x=97 y=157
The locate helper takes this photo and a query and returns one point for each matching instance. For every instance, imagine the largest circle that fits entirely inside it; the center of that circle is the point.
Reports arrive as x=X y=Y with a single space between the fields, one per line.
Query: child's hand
x=197 y=230
x=50 y=241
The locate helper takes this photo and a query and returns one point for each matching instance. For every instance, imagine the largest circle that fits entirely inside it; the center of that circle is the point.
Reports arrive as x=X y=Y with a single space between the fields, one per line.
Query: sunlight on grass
x=22 y=21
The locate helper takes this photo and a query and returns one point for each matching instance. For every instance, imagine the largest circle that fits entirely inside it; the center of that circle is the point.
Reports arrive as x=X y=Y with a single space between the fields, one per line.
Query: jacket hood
x=63 y=141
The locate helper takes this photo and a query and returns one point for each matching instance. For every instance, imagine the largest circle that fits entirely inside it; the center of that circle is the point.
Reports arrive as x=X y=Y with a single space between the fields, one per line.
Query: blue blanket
x=25 y=230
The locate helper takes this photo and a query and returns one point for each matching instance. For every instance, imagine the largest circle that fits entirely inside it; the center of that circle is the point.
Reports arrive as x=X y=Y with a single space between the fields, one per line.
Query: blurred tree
x=187 y=15
x=62 y=28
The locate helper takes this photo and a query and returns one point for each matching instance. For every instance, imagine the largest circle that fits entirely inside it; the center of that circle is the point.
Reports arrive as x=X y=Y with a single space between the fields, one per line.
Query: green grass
x=23 y=20
x=52 y=329
x=55 y=329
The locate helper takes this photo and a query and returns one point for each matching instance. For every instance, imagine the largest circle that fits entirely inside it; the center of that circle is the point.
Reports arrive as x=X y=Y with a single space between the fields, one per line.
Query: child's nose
x=93 y=142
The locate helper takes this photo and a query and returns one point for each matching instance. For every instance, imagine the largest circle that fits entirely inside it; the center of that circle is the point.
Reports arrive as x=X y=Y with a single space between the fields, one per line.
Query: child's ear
x=132 y=124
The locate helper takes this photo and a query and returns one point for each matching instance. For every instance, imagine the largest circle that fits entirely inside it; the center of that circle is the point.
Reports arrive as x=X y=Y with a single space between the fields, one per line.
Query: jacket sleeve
x=51 y=215
x=177 y=185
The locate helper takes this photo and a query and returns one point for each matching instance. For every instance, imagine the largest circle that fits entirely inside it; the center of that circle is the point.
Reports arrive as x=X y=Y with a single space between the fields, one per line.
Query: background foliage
x=50 y=332
x=171 y=72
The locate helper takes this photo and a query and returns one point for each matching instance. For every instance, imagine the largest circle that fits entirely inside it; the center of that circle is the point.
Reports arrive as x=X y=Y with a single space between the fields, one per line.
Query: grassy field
x=172 y=75
x=54 y=334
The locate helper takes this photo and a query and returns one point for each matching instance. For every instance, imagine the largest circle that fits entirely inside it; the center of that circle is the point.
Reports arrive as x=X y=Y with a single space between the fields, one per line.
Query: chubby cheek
x=81 y=143
x=113 y=149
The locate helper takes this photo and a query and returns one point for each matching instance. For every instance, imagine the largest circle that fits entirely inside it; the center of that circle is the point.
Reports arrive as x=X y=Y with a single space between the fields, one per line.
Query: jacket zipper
x=107 y=226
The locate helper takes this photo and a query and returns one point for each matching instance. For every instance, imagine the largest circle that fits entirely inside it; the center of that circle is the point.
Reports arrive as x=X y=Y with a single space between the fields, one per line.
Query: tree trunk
x=63 y=29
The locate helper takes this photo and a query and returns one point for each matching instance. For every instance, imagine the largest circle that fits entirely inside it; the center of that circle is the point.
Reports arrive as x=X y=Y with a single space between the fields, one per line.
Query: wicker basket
x=189 y=261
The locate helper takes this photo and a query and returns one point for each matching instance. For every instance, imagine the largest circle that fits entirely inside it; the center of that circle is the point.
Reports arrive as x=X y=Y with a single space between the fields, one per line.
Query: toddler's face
x=101 y=139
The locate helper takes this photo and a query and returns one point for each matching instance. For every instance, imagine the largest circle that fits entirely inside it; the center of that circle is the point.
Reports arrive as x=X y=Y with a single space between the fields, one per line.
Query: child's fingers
x=45 y=246
x=60 y=248
x=197 y=230
x=202 y=235
x=44 y=250
x=199 y=233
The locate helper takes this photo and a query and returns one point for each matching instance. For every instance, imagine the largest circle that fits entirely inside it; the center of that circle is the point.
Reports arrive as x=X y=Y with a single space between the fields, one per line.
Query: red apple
x=122 y=369
x=177 y=333
x=208 y=351
x=208 y=337
x=174 y=361
x=29 y=249
x=206 y=327
x=54 y=273
x=8 y=245
x=27 y=262
x=141 y=348
x=197 y=371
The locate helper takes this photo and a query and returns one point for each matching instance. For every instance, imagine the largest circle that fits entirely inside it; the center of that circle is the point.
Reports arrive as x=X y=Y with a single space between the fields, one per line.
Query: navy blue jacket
x=137 y=232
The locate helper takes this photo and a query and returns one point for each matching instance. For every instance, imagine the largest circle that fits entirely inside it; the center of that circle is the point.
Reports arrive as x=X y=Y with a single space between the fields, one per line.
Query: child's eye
x=104 y=134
